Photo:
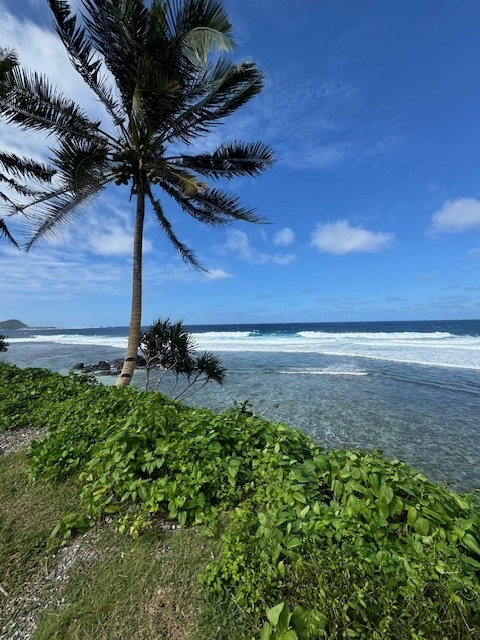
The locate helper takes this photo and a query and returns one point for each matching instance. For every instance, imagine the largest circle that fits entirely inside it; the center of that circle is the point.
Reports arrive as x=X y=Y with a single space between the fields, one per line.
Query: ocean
x=411 y=389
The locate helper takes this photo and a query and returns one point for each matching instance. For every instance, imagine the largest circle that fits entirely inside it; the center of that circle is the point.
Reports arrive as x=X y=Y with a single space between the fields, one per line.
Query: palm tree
x=170 y=85
x=14 y=168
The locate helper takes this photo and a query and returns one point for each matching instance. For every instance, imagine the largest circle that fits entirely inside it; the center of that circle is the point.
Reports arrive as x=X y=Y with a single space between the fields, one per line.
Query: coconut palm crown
x=158 y=69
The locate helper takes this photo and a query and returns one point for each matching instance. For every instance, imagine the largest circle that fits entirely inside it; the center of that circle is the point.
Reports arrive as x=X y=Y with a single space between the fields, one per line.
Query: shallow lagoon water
x=410 y=389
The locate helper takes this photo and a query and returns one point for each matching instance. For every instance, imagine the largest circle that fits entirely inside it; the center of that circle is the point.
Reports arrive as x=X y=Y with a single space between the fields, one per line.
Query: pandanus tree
x=170 y=353
x=3 y=344
x=22 y=176
x=159 y=70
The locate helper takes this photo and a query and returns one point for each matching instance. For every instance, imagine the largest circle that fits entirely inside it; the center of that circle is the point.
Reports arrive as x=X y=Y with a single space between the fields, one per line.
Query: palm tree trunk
x=130 y=361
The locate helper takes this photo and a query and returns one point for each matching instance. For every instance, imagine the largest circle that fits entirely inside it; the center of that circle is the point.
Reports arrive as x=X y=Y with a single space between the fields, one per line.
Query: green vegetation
x=3 y=343
x=169 y=350
x=12 y=324
x=313 y=544
x=117 y=587
x=158 y=69
x=27 y=515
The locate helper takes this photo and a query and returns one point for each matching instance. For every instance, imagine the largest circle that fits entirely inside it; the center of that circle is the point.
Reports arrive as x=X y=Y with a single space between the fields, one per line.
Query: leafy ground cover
x=117 y=587
x=314 y=544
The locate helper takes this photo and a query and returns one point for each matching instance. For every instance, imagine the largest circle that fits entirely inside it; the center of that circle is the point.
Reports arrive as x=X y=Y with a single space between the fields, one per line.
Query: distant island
x=13 y=324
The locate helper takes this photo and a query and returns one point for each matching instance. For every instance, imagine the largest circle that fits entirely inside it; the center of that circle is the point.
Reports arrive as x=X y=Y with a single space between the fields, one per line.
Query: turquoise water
x=410 y=389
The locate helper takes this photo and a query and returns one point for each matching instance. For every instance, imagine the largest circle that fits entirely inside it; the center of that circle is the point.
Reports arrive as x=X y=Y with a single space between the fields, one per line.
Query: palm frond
x=81 y=163
x=5 y=233
x=187 y=255
x=58 y=212
x=225 y=96
x=20 y=188
x=84 y=57
x=212 y=207
x=25 y=167
x=8 y=60
x=154 y=97
x=119 y=32
x=180 y=176
x=201 y=26
x=32 y=103
x=229 y=160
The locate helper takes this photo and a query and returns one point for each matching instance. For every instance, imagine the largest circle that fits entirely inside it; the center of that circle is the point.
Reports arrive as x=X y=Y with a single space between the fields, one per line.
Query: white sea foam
x=439 y=348
x=225 y=335
x=380 y=335
x=324 y=372
x=63 y=338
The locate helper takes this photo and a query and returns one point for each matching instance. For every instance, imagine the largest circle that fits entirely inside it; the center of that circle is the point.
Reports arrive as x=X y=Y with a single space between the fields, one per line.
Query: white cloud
x=106 y=229
x=475 y=253
x=53 y=274
x=455 y=216
x=283 y=259
x=69 y=273
x=340 y=238
x=217 y=274
x=238 y=243
x=40 y=49
x=284 y=237
x=116 y=241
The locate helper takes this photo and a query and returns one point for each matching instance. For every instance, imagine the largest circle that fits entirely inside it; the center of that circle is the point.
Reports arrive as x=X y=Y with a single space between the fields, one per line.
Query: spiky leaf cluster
x=168 y=347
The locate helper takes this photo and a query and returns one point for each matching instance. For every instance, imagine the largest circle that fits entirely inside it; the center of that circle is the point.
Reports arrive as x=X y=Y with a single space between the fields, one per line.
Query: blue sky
x=373 y=109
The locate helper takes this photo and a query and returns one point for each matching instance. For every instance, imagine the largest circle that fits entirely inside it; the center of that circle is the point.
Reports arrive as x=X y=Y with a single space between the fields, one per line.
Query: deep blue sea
x=411 y=389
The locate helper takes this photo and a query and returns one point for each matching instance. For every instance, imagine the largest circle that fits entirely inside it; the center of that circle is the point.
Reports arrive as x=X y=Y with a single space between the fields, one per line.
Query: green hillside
x=13 y=324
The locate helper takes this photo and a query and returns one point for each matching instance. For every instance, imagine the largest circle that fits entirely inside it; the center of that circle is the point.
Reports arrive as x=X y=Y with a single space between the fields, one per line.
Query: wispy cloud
x=217 y=274
x=53 y=274
x=105 y=229
x=40 y=49
x=316 y=122
x=340 y=238
x=284 y=237
x=456 y=216
x=239 y=245
x=109 y=231
x=57 y=273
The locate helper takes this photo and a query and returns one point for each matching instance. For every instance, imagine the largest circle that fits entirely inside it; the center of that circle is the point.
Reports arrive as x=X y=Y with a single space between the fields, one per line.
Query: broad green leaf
x=273 y=614
x=266 y=632
x=284 y=620
x=421 y=526
x=304 y=511
x=412 y=516
x=262 y=519
x=470 y=543
x=293 y=542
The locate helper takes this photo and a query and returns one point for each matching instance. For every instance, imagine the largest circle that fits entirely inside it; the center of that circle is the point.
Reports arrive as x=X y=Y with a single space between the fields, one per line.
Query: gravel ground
x=19 y=615
x=17 y=439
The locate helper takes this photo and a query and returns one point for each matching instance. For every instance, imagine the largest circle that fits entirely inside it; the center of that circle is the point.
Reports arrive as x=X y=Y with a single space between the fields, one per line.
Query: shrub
x=3 y=343
x=367 y=546
x=169 y=350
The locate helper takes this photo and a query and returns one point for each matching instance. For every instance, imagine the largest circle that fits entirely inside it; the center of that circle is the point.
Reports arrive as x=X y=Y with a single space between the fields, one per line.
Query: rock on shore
x=106 y=367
